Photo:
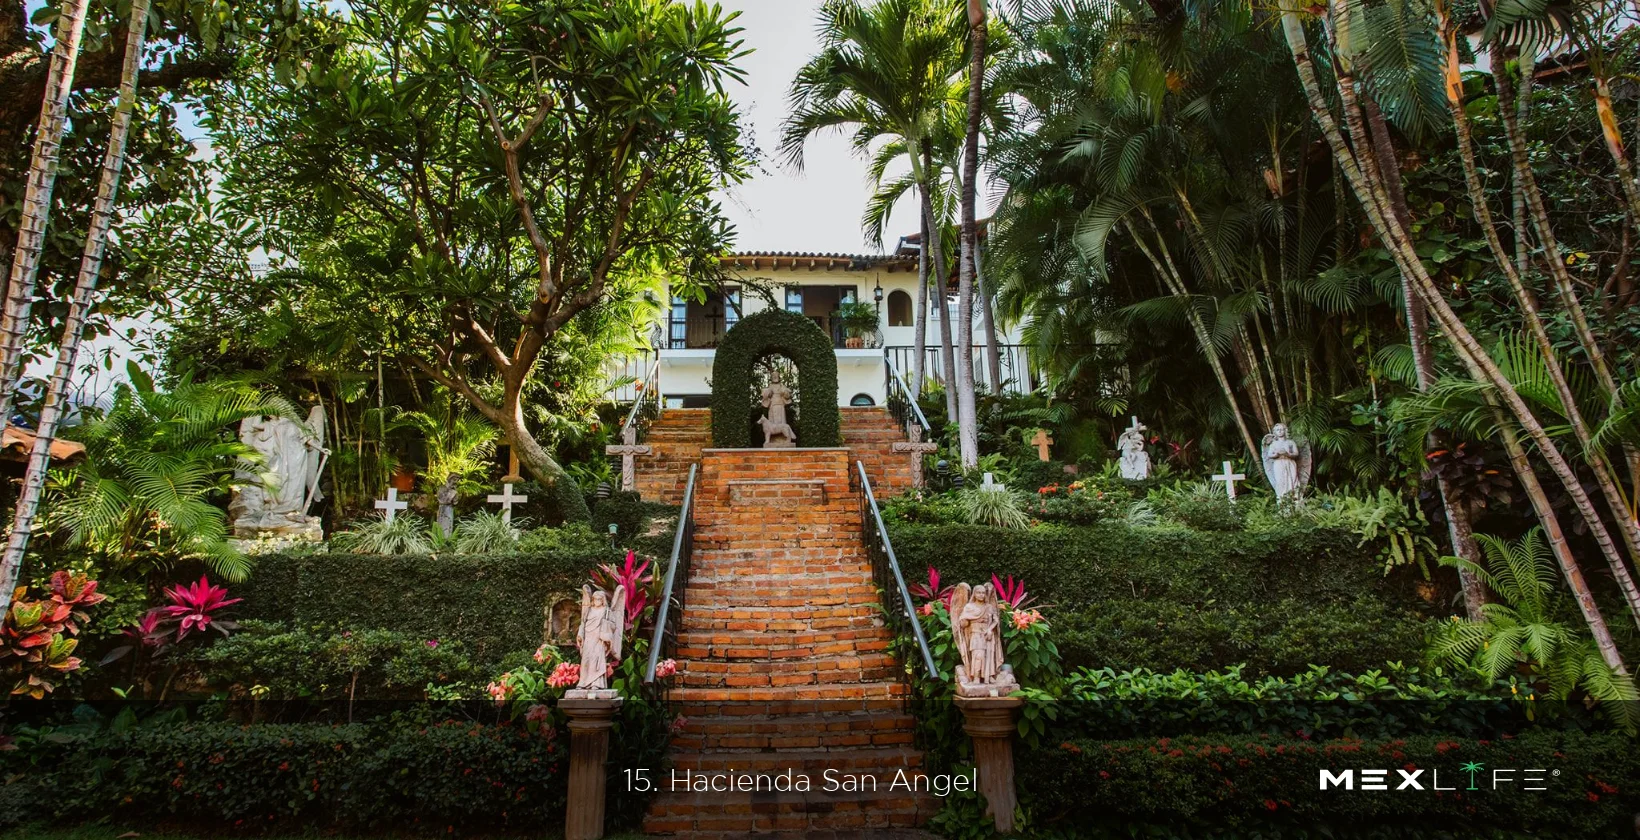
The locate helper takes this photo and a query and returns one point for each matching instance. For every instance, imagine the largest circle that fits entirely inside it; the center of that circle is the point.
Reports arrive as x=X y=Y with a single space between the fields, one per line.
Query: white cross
x=506 y=500
x=1230 y=478
x=990 y=483
x=1135 y=427
x=391 y=505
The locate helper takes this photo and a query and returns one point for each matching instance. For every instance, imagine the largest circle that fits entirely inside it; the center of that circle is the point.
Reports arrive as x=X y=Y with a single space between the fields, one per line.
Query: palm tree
x=42 y=177
x=1523 y=633
x=96 y=244
x=967 y=421
x=886 y=71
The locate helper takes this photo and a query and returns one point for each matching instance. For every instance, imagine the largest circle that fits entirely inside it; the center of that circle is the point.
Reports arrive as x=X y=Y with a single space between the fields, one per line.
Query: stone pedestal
x=589 y=723
x=990 y=722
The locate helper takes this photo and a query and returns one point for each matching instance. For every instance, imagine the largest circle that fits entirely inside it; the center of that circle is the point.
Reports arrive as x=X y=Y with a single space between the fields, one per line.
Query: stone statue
x=603 y=622
x=448 y=494
x=976 y=626
x=777 y=433
x=275 y=495
x=1286 y=463
x=1135 y=463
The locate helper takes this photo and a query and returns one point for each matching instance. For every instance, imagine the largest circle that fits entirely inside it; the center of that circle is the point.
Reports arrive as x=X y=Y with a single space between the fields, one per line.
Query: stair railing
x=885 y=571
x=902 y=403
x=649 y=391
x=667 y=619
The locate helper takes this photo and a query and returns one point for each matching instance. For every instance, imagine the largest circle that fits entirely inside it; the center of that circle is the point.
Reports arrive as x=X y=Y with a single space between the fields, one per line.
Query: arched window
x=862 y=401
x=899 y=309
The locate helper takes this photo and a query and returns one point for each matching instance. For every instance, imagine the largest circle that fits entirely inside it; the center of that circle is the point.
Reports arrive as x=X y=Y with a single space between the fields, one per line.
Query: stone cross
x=628 y=449
x=1135 y=425
x=391 y=505
x=1230 y=478
x=990 y=483
x=1042 y=441
x=916 y=448
x=506 y=500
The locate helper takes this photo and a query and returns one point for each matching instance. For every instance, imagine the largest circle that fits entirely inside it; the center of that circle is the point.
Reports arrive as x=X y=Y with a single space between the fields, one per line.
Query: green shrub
x=775 y=331
x=403 y=534
x=319 y=665
x=1167 y=598
x=442 y=777
x=1194 y=786
x=491 y=603
x=485 y=532
x=1030 y=476
x=997 y=507
x=625 y=510
x=1321 y=703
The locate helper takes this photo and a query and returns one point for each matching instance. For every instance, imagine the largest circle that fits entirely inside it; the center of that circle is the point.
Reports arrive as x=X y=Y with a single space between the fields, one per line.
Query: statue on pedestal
x=1286 y=463
x=777 y=433
x=275 y=495
x=976 y=627
x=1135 y=463
x=603 y=624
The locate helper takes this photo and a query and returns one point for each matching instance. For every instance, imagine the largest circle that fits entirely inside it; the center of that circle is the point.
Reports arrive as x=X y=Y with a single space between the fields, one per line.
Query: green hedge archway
x=791 y=335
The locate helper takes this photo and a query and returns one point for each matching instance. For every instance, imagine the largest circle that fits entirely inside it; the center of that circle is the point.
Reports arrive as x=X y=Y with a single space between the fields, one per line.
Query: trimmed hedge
x=1202 y=785
x=446 y=778
x=494 y=604
x=819 y=423
x=1167 y=598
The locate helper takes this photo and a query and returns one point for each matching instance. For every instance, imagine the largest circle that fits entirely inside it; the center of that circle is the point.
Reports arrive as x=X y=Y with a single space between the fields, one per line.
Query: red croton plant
x=36 y=639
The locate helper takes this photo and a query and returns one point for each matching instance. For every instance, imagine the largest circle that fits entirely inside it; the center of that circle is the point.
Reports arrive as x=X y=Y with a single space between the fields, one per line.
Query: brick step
x=719 y=575
x=882 y=762
x=772 y=700
x=692 y=620
x=875 y=667
x=767 y=613
x=765 y=646
x=712 y=562
x=795 y=732
x=813 y=815
x=729 y=597
x=709 y=710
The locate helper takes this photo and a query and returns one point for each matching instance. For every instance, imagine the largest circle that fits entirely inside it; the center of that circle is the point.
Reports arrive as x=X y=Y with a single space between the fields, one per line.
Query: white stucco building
x=816 y=285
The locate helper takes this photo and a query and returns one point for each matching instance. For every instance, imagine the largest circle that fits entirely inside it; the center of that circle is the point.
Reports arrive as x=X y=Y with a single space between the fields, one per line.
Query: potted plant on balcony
x=859 y=321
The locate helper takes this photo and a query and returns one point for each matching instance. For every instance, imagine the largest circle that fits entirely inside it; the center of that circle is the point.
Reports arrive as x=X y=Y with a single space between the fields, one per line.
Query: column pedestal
x=589 y=723
x=990 y=722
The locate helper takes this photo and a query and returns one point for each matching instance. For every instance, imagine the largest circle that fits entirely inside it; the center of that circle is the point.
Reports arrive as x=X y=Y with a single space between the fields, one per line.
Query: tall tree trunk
x=1557 y=543
x=993 y=351
x=42 y=178
x=1162 y=261
x=967 y=418
x=1397 y=242
x=919 y=359
x=91 y=259
x=936 y=263
x=1458 y=527
x=535 y=458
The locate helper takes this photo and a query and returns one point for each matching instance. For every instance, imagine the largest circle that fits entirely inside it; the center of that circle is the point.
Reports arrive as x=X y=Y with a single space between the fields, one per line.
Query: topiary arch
x=795 y=337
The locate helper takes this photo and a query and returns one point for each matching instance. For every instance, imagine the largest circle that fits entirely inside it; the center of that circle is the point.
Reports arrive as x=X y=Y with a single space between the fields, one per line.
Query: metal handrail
x=651 y=385
x=884 y=564
x=682 y=551
x=896 y=382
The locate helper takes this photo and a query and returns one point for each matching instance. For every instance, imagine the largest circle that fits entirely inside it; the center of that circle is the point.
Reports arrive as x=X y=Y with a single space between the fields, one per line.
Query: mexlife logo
x=1410 y=779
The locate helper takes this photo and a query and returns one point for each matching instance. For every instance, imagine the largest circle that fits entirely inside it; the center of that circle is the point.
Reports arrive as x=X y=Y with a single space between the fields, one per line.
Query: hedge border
x=819 y=423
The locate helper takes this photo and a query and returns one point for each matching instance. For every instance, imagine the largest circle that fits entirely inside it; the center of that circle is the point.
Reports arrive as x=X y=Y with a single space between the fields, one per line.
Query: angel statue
x=1286 y=463
x=603 y=623
x=777 y=433
x=1135 y=463
x=976 y=626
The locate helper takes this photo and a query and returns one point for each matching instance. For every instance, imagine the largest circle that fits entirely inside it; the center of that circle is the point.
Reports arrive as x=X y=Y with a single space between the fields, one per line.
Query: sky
x=819 y=208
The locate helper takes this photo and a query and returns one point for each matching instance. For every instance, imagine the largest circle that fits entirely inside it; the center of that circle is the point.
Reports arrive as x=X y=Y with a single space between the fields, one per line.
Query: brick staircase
x=679 y=435
x=784 y=662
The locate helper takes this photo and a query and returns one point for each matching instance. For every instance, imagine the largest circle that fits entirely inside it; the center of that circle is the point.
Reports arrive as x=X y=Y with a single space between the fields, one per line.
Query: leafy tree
x=463 y=183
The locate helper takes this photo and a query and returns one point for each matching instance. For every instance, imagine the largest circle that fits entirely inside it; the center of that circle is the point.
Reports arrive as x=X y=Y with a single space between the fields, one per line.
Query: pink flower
x=542 y=656
x=1025 y=618
x=666 y=668
x=1010 y=593
x=927 y=609
x=501 y=690
x=565 y=675
x=635 y=577
x=538 y=713
x=432 y=644
x=194 y=604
